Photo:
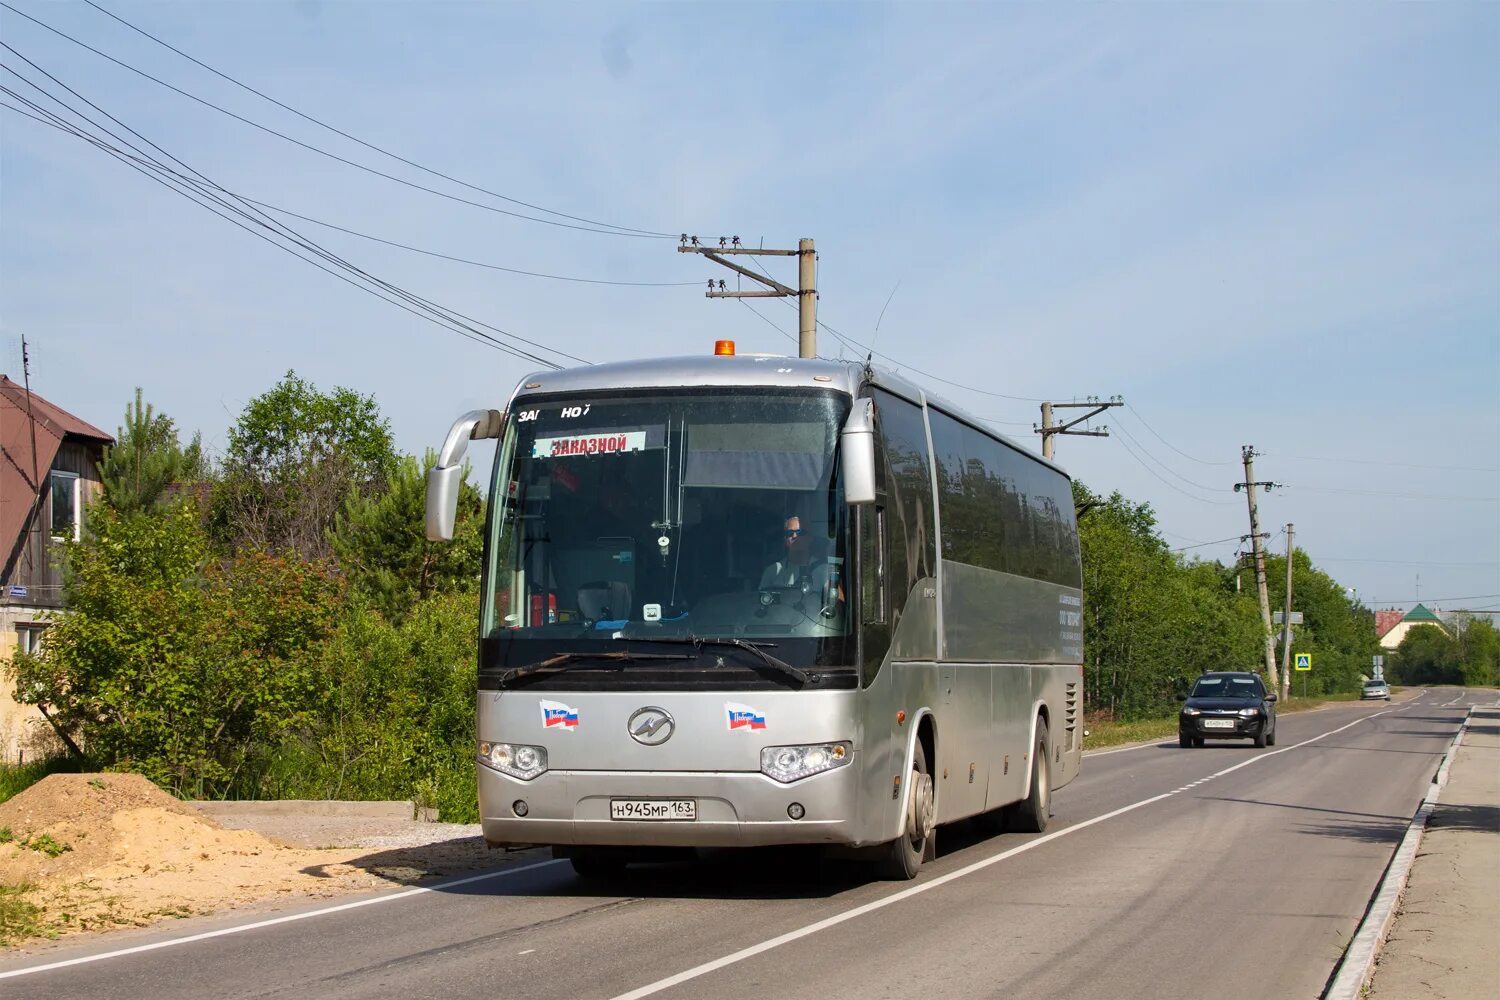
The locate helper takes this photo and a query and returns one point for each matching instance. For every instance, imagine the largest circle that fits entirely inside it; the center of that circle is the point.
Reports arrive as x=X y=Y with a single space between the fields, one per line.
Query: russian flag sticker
x=744 y=717
x=556 y=715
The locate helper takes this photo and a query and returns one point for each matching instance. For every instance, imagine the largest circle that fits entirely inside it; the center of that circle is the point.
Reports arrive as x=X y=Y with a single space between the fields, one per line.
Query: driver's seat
x=604 y=600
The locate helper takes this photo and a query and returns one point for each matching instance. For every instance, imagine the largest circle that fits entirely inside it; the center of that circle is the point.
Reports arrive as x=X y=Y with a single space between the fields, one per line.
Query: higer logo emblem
x=651 y=726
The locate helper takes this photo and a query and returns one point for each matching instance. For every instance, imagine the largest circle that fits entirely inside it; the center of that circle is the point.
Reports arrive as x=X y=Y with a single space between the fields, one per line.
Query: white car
x=1374 y=690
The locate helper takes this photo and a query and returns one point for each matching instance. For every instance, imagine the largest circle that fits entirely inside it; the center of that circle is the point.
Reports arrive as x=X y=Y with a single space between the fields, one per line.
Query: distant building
x=49 y=471
x=1391 y=626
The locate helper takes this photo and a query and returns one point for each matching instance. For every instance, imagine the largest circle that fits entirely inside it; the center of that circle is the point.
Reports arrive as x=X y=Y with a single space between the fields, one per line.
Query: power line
x=1165 y=467
x=1169 y=444
x=857 y=346
x=1169 y=485
x=362 y=142
x=766 y=320
x=334 y=156
x=1394 y=465
x=1405 y=562
x=1426 y=600
x=203 y=201
x=465 y=260
x=1384 y=493
x=1217 y=541
x=147 y=163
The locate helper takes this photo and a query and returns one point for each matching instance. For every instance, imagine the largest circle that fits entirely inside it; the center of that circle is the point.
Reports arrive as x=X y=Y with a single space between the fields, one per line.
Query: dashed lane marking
x=757 y=949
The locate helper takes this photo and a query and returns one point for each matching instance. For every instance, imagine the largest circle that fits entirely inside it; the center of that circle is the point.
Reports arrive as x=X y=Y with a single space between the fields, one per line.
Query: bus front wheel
x=597 y=866
x=903 y=856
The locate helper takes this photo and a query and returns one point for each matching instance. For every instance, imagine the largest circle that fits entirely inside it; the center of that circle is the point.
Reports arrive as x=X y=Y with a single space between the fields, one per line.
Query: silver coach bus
x=739 y=601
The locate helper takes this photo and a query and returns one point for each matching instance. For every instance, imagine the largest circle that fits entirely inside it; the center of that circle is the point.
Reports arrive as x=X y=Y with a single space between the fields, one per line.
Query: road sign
x=1304 y=661
x=1377 y=661
x=1281 y=637
x=1277 y=616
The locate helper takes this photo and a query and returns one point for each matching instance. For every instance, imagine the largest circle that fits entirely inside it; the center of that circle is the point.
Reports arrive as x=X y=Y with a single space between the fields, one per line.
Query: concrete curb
x=1358 y=964
x=307 y=807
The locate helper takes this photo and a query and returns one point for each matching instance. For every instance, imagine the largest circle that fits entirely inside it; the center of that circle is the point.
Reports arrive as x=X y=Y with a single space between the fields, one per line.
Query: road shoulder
x=1442 y=943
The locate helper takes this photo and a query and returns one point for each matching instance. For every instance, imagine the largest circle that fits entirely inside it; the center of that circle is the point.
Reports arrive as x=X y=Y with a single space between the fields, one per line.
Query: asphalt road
x=1166 y=873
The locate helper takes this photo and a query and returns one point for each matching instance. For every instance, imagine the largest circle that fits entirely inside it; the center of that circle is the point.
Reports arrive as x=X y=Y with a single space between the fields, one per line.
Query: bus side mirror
x=857 y=453
x=446 y=478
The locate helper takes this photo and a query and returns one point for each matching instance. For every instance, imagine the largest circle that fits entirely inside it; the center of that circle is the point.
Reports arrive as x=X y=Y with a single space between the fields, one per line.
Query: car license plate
x=1218 y=723
x=659 y=810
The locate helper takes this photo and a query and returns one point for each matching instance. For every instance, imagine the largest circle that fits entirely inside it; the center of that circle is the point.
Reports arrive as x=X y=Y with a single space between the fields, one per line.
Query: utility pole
x=1247 y=453
x=1286 y=625
x=1048 y=431
x=806 y=292
x=36 y=477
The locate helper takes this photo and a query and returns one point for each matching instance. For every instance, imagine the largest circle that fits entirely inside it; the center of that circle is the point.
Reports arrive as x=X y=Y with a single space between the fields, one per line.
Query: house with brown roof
x=1391 y=626
x=49 y=472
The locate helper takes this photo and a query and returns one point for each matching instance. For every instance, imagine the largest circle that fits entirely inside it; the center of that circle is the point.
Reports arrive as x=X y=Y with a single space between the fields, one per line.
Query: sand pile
x=103 y=850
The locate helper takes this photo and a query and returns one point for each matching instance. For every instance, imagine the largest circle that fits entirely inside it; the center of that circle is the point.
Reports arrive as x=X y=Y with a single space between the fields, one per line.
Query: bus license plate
x=1218 y=723
x=661 y=810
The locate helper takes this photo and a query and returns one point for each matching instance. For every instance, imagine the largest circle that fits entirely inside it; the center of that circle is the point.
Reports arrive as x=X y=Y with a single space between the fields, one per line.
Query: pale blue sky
x=1275 y=225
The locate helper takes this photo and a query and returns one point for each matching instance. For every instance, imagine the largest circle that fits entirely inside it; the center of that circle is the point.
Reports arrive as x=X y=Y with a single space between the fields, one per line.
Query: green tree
x=396 y=720
x=295 y=455
x=1152 y=621
x=382 y=548
x=1478 y=650
x=146 y=459
x=1428 y=655
x=185 y=669
x=1339 y=634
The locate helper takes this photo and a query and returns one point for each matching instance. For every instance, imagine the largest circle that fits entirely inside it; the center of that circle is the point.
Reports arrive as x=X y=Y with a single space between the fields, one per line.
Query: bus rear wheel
x=902 y=858
x=1031 y=814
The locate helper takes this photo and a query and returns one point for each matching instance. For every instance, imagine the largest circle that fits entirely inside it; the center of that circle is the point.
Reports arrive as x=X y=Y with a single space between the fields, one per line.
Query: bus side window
x=875 y=629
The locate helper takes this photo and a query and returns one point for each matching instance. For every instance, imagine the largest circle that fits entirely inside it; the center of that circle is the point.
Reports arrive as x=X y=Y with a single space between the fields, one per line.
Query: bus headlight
x=515 y=759
x=787 y=764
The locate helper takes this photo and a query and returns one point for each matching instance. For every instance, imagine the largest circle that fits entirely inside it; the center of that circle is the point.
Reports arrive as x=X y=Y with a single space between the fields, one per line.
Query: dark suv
x=1227 y=706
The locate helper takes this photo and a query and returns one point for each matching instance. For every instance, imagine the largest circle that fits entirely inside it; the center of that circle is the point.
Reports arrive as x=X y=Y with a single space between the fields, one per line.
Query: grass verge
x=16 y=778
x=19 y=917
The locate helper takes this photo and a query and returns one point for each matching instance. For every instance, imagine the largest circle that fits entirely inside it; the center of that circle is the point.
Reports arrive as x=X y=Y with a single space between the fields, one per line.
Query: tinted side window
x=1001 y=509
x=903 y=438
x=957 y=508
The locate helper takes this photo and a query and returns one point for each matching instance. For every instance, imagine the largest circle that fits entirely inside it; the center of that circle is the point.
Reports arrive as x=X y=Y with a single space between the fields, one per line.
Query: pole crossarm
x=1047 y=430
x=713 y=255
x=806 y=293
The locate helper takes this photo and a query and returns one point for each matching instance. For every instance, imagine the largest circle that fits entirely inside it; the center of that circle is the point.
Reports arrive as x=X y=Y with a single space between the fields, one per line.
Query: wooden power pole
x=1247 y=454
x=1094 y=406
x=1286 y=623
x=806 y=292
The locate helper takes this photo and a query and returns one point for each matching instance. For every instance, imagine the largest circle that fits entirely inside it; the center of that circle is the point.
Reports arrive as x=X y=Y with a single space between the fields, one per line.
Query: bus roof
x=745 y=370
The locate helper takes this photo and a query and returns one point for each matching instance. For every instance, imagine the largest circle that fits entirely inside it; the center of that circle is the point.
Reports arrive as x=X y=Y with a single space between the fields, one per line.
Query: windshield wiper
x=698 y=642
x=563 y=661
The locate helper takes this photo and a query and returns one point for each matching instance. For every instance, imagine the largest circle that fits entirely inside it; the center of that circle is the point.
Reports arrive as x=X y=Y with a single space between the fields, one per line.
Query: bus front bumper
x=733 y=809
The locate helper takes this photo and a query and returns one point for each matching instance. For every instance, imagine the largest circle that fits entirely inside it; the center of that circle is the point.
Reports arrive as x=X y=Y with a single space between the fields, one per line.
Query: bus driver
x=797 y=567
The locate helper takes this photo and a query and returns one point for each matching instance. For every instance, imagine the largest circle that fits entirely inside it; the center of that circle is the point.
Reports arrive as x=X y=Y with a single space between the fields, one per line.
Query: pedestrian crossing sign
x=1304 y=661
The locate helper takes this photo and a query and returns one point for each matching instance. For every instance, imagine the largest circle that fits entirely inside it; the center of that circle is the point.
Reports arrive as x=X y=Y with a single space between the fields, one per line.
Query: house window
x=67 y=512
x=29 y=637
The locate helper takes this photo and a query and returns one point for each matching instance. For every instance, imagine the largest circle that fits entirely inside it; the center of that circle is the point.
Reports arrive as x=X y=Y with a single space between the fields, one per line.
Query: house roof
x=1420 y=614
x=17 y=458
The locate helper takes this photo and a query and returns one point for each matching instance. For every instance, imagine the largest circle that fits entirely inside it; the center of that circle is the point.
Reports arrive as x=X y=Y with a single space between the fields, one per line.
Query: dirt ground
x=96 y=851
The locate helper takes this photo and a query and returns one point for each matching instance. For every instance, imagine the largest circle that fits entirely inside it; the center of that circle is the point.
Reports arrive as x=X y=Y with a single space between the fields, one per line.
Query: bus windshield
x=669 y=514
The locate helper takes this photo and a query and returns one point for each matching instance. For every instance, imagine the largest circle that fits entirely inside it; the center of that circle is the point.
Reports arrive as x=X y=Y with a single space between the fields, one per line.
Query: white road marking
x=225 y=932
x=528 y=951
x=916 y=890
